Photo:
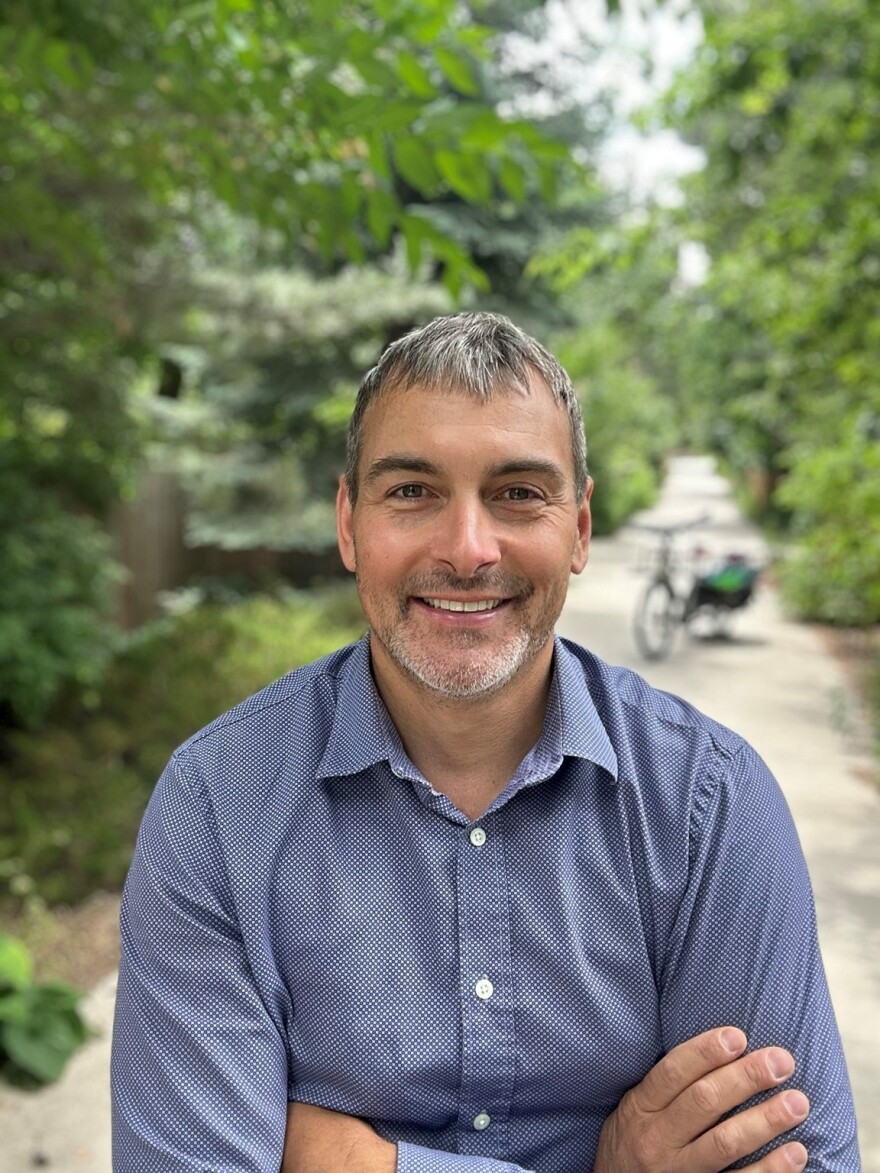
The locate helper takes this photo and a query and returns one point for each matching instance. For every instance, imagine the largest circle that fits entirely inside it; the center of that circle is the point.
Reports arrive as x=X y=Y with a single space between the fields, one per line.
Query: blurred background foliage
x=213 y=217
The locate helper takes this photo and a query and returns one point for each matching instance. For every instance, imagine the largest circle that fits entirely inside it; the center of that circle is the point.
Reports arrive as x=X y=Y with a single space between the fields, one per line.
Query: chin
x=460 y=678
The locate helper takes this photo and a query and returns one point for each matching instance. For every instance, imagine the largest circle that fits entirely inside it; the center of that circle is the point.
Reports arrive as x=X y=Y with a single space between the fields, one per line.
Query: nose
x=467 y=538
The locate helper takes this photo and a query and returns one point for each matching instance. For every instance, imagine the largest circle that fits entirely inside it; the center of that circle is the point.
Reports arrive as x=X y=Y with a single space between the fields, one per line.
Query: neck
x=469 y=748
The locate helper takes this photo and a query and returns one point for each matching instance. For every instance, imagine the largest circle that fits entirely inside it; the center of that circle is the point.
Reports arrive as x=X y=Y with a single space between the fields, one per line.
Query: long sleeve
x=199 y=1071
x=745 y=951
x=417 y=1159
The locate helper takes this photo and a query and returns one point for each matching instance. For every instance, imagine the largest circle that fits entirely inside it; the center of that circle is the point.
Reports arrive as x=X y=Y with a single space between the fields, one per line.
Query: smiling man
x=462 y=897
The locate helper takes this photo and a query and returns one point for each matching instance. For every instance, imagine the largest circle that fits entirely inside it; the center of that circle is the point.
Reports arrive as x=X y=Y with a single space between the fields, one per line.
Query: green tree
x=784 y=100
x=274 y=357
x=125 y=129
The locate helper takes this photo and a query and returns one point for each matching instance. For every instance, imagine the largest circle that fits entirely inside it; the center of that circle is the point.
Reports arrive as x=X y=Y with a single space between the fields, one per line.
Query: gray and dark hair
x=480 y=354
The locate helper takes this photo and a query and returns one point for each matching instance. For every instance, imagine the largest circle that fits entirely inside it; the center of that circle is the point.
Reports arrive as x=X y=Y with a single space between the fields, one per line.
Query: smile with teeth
x=461 y=605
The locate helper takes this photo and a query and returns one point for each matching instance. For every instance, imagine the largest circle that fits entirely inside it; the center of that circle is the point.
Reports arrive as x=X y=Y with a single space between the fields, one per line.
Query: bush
x=77 y=789
x=56 y=595
x=833 y=571
x=40 y=1026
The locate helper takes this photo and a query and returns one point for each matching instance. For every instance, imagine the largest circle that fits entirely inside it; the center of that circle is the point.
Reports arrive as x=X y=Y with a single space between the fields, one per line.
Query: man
x=461 y=897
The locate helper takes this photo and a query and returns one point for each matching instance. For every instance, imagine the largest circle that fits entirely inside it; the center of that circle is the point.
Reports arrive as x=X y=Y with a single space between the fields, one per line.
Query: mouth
x=463 y=605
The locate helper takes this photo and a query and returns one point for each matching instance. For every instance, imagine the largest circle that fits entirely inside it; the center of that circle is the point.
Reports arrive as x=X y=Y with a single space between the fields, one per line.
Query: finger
x=748 y=1131
x=789 y=1158
x=721 y=1091
x=685 y=1064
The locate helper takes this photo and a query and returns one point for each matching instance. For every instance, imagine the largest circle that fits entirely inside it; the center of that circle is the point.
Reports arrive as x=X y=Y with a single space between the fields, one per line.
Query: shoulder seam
x=228 y=721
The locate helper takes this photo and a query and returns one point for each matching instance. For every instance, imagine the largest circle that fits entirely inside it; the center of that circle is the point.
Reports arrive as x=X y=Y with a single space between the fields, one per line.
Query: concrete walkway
x=775 y=684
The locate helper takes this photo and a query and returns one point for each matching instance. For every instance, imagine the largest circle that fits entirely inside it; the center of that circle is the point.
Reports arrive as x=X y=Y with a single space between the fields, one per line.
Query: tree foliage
x=271 y=364
x=130 y=134
x=272 y=360
x=784 y=99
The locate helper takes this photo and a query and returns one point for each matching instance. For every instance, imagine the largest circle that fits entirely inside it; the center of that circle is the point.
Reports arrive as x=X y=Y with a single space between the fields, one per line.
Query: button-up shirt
x=307 y=919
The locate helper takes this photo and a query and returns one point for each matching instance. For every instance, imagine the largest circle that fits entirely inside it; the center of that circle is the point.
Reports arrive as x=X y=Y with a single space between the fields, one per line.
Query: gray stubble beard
x=467 y=680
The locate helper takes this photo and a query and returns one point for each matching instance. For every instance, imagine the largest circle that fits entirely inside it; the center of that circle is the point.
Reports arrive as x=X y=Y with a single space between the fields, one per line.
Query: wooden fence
x=148 y=534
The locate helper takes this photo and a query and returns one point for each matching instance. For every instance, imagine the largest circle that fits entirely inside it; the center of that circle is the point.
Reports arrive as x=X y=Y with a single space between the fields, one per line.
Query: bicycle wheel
x=655 y=621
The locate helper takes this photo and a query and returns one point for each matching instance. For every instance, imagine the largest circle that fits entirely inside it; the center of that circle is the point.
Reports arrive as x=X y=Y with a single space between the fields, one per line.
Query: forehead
x=443 y=418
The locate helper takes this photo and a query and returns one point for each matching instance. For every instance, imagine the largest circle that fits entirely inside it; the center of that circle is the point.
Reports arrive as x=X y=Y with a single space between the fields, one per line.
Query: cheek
x=380 y=569
x=549 y=558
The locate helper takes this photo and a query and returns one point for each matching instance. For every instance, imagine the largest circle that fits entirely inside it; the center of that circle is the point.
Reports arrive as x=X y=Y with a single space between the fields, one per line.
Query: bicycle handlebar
x=674 y=528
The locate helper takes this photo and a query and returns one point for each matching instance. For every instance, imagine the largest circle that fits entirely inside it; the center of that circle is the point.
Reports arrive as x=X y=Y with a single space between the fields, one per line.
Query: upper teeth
x=458 y=605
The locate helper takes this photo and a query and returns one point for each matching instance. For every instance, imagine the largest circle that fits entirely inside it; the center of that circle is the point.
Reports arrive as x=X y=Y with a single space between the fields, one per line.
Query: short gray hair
x=480 y=354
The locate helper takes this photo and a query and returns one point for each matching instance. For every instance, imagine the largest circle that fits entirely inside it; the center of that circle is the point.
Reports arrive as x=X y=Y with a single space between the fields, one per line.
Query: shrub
x=77 y=789
x=833 y=571
x=56 y=580
x=40 y=1026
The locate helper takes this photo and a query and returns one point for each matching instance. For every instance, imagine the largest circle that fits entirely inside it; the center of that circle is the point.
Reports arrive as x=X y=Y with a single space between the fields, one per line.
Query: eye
x=408 y=492
x=520 y=493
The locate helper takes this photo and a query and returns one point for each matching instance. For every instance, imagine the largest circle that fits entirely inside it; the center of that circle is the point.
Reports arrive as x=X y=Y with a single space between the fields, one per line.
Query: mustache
x=500 y=584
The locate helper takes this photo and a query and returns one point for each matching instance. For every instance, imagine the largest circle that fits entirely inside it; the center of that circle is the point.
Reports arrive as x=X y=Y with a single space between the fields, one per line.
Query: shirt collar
x=363 y=733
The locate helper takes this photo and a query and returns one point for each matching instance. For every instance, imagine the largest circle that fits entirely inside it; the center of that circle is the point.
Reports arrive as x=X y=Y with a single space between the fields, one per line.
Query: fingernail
x=797 y=1156
x=797 y=1103
x=732 y=1041
x=780 y=1063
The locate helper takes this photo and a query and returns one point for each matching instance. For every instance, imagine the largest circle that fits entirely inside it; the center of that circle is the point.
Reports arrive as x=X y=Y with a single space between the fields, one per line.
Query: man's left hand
x=321 y=1141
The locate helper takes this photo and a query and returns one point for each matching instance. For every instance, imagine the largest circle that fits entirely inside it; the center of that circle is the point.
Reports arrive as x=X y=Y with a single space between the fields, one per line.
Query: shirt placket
x=487 y=1012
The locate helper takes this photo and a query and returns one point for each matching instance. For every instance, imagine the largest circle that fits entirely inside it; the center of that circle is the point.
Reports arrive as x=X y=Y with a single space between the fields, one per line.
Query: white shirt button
x=478 y=836
x=484 y=989
x=482 y=1121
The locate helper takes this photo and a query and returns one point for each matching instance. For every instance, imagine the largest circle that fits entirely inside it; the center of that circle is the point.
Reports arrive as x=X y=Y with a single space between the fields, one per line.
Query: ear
x=581 y=550
x=344 y=533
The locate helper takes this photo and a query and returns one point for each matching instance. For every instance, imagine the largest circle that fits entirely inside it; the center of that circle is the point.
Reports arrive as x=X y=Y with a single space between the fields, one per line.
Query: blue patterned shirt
x=307 y=919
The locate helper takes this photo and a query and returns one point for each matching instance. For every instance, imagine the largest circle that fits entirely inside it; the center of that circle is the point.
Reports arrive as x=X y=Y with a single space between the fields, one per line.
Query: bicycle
x=713 y=595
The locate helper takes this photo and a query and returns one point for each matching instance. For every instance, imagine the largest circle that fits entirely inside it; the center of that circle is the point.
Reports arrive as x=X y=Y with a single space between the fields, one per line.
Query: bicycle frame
x=663 y=609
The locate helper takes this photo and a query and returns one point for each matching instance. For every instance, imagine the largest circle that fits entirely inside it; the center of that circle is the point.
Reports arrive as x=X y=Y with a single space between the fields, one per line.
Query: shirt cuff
x=413 y=1158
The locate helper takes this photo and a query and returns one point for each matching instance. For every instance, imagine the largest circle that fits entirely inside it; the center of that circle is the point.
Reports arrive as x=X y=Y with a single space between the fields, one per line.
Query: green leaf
x=352 y=194
x=15 y=1008
x=378 y=155
x=42 y=1050
x=413 y=235
x=45 y=1031
x=415 y=76
x=467 y=175
x=513 y=179
x=459 y=269
x=414 y=162
x=376 y=73
x=457 y=71
x=353 y=246
x=382 y=213
x=485 y=130
x=548 y=182
x=16 y=967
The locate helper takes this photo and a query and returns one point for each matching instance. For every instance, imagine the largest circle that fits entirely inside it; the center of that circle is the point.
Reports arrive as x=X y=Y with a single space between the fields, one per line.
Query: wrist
x=377 y=1156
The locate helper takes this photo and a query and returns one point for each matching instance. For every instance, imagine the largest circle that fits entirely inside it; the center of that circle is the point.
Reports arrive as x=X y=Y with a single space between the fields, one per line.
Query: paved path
x=776 y=685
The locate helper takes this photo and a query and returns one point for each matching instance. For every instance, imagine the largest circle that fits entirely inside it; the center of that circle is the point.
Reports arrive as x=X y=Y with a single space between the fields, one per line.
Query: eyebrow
x=547 y=468
x=400 y=462
x=404 y=462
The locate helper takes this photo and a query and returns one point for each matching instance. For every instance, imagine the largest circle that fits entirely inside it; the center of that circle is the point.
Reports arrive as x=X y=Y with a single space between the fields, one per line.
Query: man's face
x=464 y=534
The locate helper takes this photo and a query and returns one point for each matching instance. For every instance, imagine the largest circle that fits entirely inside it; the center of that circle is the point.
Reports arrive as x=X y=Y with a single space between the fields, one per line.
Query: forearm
x=321 y=1141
